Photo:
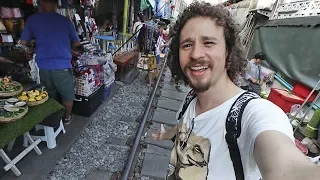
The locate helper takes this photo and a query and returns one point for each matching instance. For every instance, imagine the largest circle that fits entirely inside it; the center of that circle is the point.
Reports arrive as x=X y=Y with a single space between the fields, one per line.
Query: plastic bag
x=294 y=110
x=34 y=72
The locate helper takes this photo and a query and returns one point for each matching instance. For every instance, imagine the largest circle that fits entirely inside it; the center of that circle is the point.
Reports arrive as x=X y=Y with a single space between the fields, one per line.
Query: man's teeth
x=196 y=68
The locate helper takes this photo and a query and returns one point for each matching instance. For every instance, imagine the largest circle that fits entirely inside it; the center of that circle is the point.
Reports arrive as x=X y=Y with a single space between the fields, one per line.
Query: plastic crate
x=86 y=106
x=83 y=87
x=284 y=99
x=304 y=91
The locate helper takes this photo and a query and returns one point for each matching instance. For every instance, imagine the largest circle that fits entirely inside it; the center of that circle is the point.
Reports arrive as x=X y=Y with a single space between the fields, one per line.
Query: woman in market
x=53 y=33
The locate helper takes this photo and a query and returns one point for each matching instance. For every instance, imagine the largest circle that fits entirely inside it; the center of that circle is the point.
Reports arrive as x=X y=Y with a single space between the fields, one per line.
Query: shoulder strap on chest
x=191 y=95
x=233 y=128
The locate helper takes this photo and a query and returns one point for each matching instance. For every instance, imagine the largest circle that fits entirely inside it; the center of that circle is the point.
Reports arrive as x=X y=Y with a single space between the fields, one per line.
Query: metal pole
x=310 y=107
x=306 y=100
x=136 y=144
x=126 y=41
x=125 y=16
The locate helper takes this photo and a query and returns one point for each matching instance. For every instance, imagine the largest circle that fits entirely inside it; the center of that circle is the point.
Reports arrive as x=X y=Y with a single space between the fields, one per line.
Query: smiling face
x=202 y=53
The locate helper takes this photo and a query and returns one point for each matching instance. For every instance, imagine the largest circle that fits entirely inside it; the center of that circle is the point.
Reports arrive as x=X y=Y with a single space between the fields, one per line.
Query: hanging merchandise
x=2 y=27
x=79 y=28
x=161 y=8
x=92 y=27
x=8 y=23
x=167 y=11
x=35 y=3
x=144 y=4
x=153 y=4
x=7 y=12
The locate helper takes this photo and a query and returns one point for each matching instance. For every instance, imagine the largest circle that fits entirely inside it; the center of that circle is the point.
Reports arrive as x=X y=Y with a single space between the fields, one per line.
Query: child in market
x=152 y=69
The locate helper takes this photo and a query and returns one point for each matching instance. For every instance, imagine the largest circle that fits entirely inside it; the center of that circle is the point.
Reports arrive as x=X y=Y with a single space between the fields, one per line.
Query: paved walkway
x=157 y=153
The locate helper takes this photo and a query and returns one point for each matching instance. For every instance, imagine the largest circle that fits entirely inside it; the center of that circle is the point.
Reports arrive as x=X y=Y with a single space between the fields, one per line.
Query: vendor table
x=10 y=131
x=105 y=41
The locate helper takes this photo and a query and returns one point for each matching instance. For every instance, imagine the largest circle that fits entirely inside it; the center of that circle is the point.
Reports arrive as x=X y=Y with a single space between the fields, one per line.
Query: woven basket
x=11 y=94
x=36 y=103
x=14 y=118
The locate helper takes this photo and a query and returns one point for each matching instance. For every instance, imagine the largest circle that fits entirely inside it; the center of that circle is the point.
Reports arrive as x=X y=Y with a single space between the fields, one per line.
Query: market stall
x=24 y=103
x=19 y=113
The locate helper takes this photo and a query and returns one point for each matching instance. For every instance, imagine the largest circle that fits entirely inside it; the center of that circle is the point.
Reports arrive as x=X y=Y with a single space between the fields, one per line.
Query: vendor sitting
x=253 y=79
x=53 y=33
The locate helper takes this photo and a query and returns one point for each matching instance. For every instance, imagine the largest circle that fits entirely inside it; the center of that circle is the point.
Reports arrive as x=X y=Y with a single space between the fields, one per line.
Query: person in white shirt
x=137 y=25
x=208 y=57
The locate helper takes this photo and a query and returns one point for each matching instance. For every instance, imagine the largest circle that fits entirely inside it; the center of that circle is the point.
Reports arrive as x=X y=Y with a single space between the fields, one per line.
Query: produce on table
x=7 y=85
x=11 y=107
x=33 y=96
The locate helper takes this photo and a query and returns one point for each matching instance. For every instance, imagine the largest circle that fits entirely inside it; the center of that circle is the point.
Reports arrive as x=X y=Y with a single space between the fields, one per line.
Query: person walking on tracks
x=54 y=35
x=224 y=132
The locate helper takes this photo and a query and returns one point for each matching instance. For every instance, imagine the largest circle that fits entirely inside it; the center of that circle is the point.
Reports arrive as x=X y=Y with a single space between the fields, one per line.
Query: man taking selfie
x=224 y=132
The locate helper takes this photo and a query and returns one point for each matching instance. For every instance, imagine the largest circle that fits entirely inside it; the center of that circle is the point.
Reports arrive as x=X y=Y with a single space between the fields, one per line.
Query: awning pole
x=125 y=16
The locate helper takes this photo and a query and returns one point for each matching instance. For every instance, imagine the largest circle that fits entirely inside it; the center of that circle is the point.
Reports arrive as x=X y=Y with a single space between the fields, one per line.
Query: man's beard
x=198 y=85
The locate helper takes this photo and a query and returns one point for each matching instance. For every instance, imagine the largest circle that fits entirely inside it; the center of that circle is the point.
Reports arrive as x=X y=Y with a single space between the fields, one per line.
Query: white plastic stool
x=95 y=42
x=49 y=135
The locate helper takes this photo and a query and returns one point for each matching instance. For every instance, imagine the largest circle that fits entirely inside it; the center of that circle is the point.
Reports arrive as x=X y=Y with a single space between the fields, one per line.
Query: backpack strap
x=233 y=128
x=191 y=95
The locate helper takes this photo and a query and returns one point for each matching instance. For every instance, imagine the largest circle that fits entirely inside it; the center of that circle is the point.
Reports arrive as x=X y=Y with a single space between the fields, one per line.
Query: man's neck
x=222 y=91
x=50 y=10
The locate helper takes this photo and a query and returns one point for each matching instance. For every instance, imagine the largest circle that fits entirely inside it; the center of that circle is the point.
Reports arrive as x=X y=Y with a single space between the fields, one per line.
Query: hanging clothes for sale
x=77 y=22
x=161 y=8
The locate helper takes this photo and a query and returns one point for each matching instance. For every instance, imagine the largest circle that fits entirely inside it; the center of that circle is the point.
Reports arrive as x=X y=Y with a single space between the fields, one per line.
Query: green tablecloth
x=35 y=115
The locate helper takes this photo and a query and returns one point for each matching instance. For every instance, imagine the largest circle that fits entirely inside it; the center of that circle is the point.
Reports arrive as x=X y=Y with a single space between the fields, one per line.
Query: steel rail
x=133 y=152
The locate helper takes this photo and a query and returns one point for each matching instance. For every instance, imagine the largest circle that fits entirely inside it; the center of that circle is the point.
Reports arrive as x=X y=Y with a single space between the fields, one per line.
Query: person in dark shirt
x=54 y=34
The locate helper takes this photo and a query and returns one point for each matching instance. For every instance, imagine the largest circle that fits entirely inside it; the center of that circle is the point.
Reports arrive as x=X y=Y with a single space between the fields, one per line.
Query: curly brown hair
x=235 y=61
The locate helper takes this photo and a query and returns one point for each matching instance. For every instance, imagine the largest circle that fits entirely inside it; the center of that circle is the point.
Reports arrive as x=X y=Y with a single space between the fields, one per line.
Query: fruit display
x=34 y=97
x=12 y=109
x=9 y=88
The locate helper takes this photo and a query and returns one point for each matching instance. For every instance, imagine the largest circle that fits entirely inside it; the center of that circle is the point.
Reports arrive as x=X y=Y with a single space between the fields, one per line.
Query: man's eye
x=186 y=45
x=209 y=43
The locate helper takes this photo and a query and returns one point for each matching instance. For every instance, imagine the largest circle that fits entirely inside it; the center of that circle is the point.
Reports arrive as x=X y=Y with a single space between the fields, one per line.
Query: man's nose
x=197 y=52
